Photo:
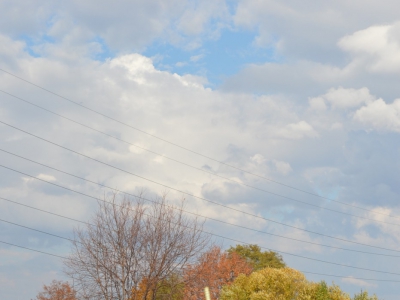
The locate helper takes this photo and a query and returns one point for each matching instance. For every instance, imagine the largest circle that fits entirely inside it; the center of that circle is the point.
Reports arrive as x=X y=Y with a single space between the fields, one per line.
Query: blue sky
x=303 y=94
x=215 y=59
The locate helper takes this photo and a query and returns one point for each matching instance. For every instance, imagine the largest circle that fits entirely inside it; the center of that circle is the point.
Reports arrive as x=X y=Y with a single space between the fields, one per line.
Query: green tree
x=280 y=284
x=363 y=295
x=257 y=258
x=171 y=288
x=322 y=291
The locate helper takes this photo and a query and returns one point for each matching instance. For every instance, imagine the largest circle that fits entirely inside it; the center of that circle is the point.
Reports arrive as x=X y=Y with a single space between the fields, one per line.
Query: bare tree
x=131 y=246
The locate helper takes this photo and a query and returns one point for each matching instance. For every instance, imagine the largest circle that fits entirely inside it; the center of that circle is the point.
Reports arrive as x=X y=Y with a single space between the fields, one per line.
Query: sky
x=296 y=103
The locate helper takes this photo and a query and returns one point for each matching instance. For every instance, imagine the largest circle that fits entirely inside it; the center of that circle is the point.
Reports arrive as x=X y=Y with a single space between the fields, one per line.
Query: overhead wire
x=189 y=212
x=39 y=251
x=185 y=148
x=38 y=230
x=266 y=248
x=169 y=187
x=212 y=174
x=45 y=211
x=307 y=272
x=194 y=167
x=104 y=201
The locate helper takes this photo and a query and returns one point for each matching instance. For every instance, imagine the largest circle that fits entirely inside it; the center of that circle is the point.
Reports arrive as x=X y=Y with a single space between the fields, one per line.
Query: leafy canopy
x=57 y=290
x=280 y=284
x=363 y=295
x=257 y=258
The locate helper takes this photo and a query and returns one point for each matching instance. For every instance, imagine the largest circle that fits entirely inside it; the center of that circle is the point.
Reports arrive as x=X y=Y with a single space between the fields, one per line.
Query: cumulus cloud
x=258 y=158
x=197 y=16
x=46 y=177
x=282 y=167
x=342 y=98
x=376 y=47
x=307 y=30
x=317 y=103
x=379 y=115
x=297 y=131
x=299 y=119
x=123 y=26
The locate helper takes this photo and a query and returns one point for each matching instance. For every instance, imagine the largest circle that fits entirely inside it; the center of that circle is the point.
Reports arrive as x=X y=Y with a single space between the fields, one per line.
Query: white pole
x=207 y=293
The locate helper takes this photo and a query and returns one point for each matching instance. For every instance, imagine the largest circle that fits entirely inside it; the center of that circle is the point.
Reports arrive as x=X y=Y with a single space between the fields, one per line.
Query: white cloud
x=308 y=30
x=260 y=124
x=158 y=159
x=197 y=15
x=358 y=282
x=317 y=103
x=47 y=177
x=196 y=58
x=137 y=148
x=297 y=131
x=376 y=47
x=326 y=180
x=380 y=116
x=136 y=64
x=10 y=50
x=342 y=98
x=258 y=158
x=337 y=126
x=282 y=167
x=377 y=213
x=124 y=25
x=181 y=64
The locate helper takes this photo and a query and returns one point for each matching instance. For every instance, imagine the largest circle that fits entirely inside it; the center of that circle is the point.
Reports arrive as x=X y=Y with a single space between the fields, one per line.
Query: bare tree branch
x=130 y=243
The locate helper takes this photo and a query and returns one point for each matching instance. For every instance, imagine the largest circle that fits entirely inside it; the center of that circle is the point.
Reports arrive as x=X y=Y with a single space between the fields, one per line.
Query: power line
x=26 y=248
x=45 y=211
x=166 y=186
x=188 y=212
x=330 y=275
x=242 y=211
x=37 y=230
x=347 y=277
x=238 y=241
x=196 y=168
x=181 y=147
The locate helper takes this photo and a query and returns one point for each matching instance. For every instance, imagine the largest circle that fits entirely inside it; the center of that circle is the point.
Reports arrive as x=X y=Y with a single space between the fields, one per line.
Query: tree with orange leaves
x=57 y=290
x=214 y=269
x=170 y=288
x=142 y=292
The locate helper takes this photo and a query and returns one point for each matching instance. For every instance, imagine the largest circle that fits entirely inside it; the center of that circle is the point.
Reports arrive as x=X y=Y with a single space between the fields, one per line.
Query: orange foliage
x=57 y=290
x=214 y=269
x=139 y=293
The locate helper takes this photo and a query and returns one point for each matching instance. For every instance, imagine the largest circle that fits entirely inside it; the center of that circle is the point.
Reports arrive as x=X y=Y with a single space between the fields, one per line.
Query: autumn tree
x=214 y=269
x=57 y=290
x=171 y=288
x=258 y=259
x=280 y=284
x=131 y=243
x=363 y=295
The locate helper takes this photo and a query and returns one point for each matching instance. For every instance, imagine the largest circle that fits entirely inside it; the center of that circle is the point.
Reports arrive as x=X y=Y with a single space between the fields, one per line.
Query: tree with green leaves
x=363 y=295
x=284 y=284
x=322 y=291
x=280 y=284
x=258 y=259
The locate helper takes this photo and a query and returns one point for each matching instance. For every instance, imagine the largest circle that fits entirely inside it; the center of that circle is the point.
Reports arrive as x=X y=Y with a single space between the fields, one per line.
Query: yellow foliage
x=139 y=293
x=278 y=284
